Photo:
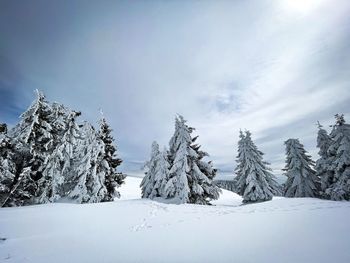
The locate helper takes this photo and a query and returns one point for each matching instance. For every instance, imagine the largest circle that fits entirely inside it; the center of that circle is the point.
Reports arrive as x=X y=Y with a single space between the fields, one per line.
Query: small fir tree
x=161 y=174
x=148 y=180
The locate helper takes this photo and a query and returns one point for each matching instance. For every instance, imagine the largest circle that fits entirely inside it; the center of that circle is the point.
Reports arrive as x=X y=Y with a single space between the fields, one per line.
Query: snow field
x=140 y=230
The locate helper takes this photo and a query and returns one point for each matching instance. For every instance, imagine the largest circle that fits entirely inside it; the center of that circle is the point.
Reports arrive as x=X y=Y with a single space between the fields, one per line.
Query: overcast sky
x=273 y=67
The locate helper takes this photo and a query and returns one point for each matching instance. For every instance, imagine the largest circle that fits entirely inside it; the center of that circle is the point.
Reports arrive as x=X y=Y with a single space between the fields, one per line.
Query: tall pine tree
x=323 y=169
x=240 y=182
x=254 y=180
x=84 y=184
x=109 y=162
x=35 y=133
x=190 y=179
x=177 y=186
x=339 y=152
x=7 y=168
x=59 y=164
x=203 y=173
x=301 y=177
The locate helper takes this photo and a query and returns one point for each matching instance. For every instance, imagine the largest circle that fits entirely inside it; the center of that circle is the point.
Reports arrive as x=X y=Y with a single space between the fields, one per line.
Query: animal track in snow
x=152 y=214
x=141 y=226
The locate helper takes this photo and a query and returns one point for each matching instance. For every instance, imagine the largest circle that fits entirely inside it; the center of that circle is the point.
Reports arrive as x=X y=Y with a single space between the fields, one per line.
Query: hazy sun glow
x=302 y=6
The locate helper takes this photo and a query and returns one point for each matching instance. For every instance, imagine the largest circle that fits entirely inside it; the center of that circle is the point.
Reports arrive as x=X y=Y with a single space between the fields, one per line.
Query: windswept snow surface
x=138 y=230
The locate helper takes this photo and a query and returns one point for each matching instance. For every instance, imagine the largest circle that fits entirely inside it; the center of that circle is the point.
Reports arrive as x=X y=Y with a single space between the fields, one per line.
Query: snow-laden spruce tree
x=59 y=163
x=323 y=165
x=22 y=190
x=203 y=172
x=190 y=178
x=148 y=182
x=95 y=178
x=60 y=116
x=157 y=173
x=339 y=152
x=17 y=186
x=161 y=174
x=254 y=180
x=301 y=177
x=240 y=182
x=108 y=162
x=84 y=184
x=35 y=134
x=7 y=168
x=180 y=151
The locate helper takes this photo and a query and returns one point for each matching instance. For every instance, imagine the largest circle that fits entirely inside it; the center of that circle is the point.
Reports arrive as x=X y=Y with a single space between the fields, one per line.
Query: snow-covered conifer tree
x=190 y=178
x=22 y=190
x=83 y=184
x=323 y=169
x=180 y=151
x=95 y=178
x=35 y=133
x=301 y=177
x=161 y=174
x=7 y=168
x=240 y=181
x=203 y=173
x=109 y=163
x=59 y=164
x=60 y=117
x=254 y=180
x=339 y=152
x=17 y=186
x=148 y=182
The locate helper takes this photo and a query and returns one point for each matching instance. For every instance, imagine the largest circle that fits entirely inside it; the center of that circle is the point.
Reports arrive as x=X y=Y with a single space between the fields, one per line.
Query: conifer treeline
x=49 y=156
x=328 y=178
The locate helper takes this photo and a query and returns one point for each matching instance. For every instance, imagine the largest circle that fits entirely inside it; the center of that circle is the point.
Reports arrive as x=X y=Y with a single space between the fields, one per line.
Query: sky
x=272 y=67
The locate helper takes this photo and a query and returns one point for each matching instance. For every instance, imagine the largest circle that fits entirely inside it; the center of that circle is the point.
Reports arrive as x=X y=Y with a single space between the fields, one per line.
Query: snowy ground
x=135 y=230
